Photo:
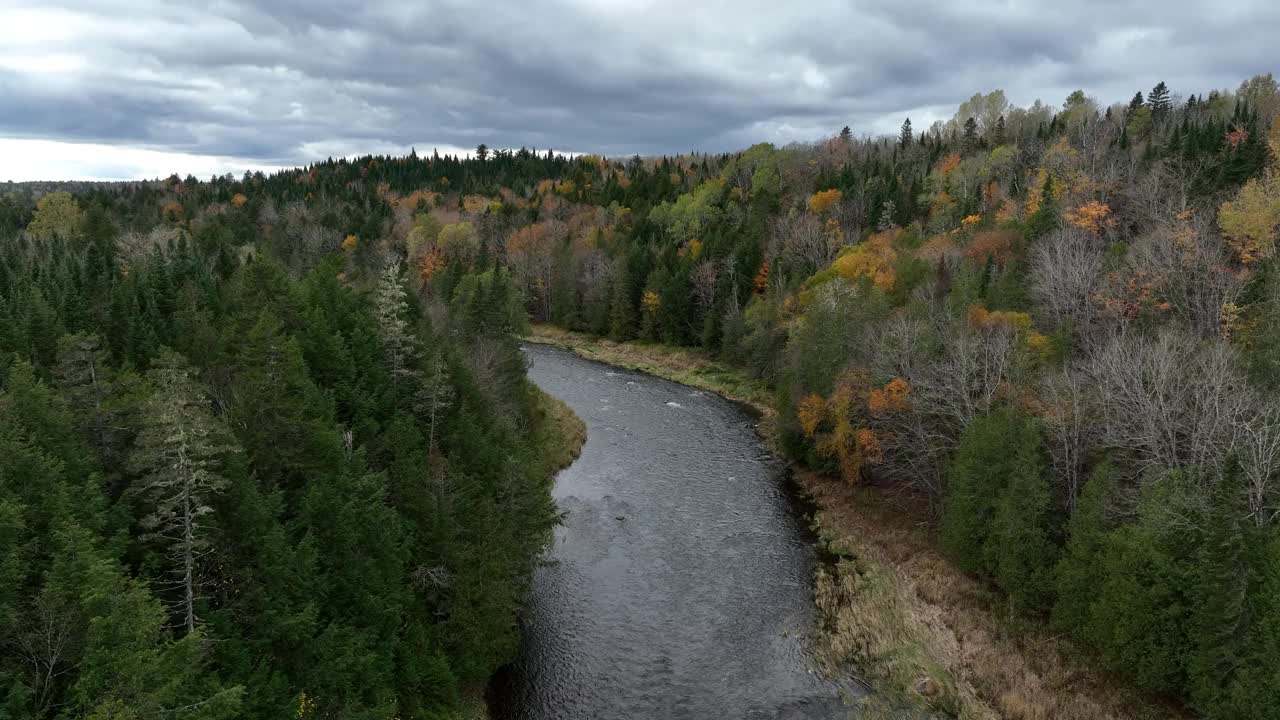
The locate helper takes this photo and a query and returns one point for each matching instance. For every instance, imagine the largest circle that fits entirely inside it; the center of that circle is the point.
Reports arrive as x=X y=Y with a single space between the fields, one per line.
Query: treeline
x=245 y=472
x=1054 y=326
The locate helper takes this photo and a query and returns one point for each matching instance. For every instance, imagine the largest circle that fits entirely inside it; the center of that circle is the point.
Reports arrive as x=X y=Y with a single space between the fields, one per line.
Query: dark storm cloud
x=287 y=81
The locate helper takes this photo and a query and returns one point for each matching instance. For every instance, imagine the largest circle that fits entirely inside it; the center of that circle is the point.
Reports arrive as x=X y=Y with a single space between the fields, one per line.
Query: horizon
x=149 y=89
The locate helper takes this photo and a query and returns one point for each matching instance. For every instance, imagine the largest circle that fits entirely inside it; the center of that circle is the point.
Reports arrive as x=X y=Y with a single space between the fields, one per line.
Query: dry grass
x=682 y=365
x=896 y=610
x=558 y=431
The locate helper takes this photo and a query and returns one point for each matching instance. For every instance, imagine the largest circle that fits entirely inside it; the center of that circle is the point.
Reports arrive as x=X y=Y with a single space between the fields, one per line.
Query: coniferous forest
x=269 y=450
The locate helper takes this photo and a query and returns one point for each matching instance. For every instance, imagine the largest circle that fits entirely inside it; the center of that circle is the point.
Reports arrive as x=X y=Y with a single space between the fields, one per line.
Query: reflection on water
x=680 y=585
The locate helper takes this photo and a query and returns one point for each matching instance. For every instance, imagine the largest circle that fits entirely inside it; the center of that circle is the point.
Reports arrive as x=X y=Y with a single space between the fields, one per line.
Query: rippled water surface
x=680 y=585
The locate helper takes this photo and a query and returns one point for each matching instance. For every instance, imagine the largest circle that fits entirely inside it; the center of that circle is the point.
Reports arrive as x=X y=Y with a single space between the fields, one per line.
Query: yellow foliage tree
x=809 y=412
x=56 y=214
x=651 y=302
x=1252 y=220
x=823 y=200
x=350 y=242
x=981 y=318
x=872 y=259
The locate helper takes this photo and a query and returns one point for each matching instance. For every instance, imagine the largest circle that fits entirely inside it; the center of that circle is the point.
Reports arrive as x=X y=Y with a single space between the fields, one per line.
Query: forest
x=246 y=469
x=267 y=440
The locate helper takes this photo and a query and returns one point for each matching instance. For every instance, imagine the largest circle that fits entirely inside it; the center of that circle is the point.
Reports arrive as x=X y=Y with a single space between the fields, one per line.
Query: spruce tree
x=179 y=457
x=904 y=136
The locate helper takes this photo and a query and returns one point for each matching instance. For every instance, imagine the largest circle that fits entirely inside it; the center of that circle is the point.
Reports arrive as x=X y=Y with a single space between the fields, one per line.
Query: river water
x=680 y=583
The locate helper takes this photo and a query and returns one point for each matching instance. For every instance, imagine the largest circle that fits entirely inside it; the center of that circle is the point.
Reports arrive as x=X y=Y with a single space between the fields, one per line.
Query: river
x=680 y=582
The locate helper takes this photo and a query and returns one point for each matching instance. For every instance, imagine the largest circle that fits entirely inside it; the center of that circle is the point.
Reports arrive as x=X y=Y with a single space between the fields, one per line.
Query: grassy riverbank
x=558 y=431
x=682 y=365
x=892 y=608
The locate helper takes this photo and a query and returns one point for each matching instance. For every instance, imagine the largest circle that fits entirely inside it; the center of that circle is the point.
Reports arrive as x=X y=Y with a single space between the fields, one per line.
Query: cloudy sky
x=142 y=88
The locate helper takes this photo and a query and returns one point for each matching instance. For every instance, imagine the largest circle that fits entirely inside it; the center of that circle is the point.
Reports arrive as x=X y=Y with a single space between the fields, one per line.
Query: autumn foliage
x=761 y=281
x=840 y=426
x=823 y=200
x=1093 y=216
x=873 y=259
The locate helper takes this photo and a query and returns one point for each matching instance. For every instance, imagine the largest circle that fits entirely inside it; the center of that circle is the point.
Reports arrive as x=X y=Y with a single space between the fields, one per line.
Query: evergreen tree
x=1136 y=102
x=904 y=137
x=179 y=455
x=1047 y=217
x=970 y=141
x=1159 y=102
x=399 y=345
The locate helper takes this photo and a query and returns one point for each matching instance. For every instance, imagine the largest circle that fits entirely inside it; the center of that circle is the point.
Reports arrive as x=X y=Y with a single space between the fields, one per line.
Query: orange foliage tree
x=823 y=200
x=761 y=281
x=173 y=212
x=995 y=244
x=1092 y=216
x=239 y=200
x=840 y=426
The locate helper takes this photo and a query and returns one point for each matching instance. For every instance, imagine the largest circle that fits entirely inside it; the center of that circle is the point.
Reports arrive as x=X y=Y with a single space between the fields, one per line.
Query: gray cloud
x=287 y=81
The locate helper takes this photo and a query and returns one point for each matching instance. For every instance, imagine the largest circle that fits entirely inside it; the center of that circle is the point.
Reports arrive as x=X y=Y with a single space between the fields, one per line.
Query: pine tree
x=1158 y=100
x=970 y=141
x=846 y=135
x=1136 y=102
x=999 y=138
x=904 y=137
x=1047 y=217
x=179 y=455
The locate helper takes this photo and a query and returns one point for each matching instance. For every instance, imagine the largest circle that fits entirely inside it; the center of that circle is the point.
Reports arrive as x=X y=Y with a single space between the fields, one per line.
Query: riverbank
x=892 y=608
x=560 y=434
x=682 y=365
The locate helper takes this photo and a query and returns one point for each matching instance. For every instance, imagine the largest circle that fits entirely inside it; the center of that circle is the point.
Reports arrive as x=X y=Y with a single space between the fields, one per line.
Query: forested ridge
x=246 y=469
x=1054 y=326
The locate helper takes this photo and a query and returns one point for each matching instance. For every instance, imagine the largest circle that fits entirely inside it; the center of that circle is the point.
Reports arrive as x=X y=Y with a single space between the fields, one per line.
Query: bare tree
x=1189 y=264
x=1070 y=428
x=704 y=279
x=806 y=243
x=1172 y=401
x=1258 y=449
x=1066 y=268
